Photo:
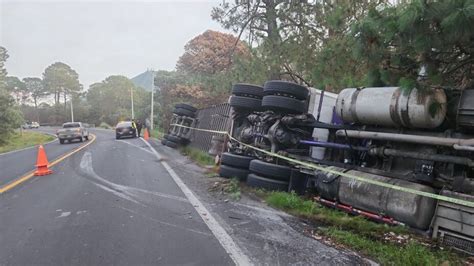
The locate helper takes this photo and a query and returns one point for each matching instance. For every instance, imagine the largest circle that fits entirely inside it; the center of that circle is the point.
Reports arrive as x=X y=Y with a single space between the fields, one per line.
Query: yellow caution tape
x=328 y=170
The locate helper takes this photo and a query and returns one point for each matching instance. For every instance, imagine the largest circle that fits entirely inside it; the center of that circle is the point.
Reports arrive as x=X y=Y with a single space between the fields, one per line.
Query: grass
x=360 y=234
x=412 y=253
x=27 y=139
x=233 y=189
x=200 y=157
x=157 y=133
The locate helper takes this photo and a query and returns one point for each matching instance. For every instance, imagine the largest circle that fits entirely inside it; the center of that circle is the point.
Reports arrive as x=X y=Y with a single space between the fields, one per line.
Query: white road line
x=219 y=232
x=141 y=148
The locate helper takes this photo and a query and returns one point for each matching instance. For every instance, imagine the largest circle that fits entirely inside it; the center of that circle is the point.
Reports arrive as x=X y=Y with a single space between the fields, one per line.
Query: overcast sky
x=99 y=38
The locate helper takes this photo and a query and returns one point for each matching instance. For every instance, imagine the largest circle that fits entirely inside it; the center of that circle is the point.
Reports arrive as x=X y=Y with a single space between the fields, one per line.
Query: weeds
x=200 y=157
x=233 y=189
x=412 y=253
x=361 y=234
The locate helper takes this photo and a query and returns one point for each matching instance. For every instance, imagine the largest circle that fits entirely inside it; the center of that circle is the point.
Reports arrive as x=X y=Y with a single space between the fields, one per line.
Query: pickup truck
x=72 y=131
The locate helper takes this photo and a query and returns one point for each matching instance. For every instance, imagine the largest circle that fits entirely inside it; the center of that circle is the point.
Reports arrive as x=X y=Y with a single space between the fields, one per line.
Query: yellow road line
x=24 y=178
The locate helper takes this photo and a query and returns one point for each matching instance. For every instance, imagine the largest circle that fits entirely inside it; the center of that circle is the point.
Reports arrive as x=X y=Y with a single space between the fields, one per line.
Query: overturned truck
x=420 y=140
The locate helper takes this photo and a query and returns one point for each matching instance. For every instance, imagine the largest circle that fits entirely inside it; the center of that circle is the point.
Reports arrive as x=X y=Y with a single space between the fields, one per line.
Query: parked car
x=125 y=129
x=72 y=131
x=26 y=125
x=35 y=125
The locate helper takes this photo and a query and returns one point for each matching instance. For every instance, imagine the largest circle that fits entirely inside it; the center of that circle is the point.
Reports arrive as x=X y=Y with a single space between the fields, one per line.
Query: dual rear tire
x=269 y=176
x=234 y=166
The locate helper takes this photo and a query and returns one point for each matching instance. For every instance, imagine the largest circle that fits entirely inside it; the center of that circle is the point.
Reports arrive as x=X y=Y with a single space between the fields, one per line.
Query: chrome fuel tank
x=392 y=107
x=411 y=209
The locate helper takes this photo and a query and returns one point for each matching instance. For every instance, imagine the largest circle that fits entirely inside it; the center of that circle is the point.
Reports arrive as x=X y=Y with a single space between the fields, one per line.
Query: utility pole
x=131 y=98
x=152 y=96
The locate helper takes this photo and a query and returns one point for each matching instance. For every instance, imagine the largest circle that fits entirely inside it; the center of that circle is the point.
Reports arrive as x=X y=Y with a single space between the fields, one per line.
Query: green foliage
x=35 y=89
x=198 y=156
x=360 y=234
x=23 y=140
x=412 y=253
x=419 y=44
x=110 y=100
x=309 y=209
x=10 y=116
x=105 y=126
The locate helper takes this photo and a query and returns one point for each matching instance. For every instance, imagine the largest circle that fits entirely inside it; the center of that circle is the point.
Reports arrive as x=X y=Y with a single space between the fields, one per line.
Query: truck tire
x=283 y=104
x=171 y=144
x=186 y=106
x=241 y=102
x=254 y=180
x=242 y=89
x=274 y=87
x=231 y=172
x=184 y=112
x=270 y=170
x=87 y=137
x=163 y=141
x=178 y=140
x=235 y=160
x=61 y=141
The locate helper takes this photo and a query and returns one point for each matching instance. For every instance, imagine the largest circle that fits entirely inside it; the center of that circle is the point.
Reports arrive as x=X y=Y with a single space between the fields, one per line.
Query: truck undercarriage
x=422 y=140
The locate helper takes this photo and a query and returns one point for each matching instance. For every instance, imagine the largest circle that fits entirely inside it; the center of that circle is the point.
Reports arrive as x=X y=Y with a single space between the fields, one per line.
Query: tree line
x=326 y=44
x=48 y=99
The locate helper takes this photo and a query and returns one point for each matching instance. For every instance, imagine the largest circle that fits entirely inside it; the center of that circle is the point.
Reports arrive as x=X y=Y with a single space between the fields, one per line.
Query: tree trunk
x=65 y=100
x=274 y=39
x=36 y=109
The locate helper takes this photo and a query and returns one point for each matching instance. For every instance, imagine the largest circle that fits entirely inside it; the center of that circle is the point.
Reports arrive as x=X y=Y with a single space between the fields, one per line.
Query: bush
x=105 y=125
x=10 y=116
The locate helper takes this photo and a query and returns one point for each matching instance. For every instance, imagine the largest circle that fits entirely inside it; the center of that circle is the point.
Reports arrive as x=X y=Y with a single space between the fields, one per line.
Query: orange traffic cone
x=146 y=136
x=42 y=163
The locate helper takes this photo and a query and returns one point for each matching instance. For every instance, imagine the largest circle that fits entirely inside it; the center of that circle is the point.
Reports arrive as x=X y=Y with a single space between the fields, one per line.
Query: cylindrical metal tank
x=390 y=106
x=411 y=209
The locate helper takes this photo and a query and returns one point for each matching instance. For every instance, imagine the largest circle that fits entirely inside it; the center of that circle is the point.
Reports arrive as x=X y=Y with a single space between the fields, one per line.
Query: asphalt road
x=110 y=203
x=10 y=165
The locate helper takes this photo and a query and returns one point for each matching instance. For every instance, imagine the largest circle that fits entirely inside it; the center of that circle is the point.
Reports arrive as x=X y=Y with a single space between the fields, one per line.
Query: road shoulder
x=266 y=235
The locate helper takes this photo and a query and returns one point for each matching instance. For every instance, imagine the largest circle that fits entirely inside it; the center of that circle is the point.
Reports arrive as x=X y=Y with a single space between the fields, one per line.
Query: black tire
x=231 y=172
x=87 y=137
x=235 y=160
x=171 y=144
x=166 y=136
x=186 y=106
x=61 y=141
x=117 y=137
x=270 y=170
x=254 y=180
x=284 y=87
x=242 y=89
x=176 y=139
x=241 y=102
x=163 y=141
x=184 y=112
x=81 y=139
x=283 y=104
